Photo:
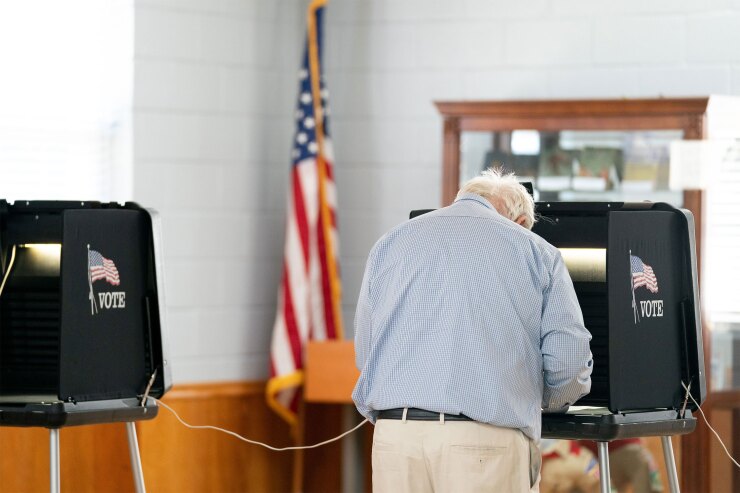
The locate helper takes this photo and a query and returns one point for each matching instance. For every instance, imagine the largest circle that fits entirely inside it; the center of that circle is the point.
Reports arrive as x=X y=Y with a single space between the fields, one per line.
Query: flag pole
x=315 y=69
x=93 y=305
x=632 y=286
x=325 y=220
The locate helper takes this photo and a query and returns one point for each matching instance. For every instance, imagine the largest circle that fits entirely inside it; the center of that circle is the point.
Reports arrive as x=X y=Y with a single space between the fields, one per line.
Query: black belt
x=420 y=415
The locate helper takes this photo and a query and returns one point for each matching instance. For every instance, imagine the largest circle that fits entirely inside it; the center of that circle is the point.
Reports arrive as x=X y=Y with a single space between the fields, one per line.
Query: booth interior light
x=48 y=249
x=585 y=264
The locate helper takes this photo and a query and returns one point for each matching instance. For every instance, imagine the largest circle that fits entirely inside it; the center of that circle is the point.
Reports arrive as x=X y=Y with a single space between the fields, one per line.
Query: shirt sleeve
x=363 y=318
x=566 y=355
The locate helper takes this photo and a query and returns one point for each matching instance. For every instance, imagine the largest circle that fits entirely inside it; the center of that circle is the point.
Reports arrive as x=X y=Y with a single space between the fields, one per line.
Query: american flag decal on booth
x=102 y=268
x=99 y=268
x=309 y=297
x=643 y=275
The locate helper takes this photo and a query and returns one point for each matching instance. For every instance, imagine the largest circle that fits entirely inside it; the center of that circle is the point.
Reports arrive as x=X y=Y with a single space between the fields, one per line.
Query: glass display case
x=626 y=150
x=577 y=165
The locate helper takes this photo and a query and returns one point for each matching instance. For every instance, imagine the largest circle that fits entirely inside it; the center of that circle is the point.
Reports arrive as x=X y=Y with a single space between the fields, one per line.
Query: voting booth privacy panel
x=633 y=266
x=81 y=316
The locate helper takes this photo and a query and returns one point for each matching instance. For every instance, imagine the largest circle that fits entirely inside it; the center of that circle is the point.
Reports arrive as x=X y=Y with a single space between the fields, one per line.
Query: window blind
x=65 y=98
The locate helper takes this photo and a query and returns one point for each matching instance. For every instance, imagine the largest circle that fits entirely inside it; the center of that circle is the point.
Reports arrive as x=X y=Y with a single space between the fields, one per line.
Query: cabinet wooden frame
x=687 y=114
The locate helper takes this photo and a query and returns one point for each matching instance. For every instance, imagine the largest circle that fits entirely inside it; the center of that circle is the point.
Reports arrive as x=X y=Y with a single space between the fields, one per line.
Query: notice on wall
x=695 y=164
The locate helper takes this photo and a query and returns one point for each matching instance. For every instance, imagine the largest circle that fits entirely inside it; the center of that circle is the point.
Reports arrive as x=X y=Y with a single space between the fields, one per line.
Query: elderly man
x=467 y=328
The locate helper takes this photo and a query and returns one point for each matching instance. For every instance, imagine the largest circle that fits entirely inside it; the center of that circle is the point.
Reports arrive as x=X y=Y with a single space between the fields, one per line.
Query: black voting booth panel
x=81 y=329
x=633 y=267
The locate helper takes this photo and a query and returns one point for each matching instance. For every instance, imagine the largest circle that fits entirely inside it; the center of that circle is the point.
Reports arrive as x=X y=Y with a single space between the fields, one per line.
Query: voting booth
x=82 y=328
x=633 y=267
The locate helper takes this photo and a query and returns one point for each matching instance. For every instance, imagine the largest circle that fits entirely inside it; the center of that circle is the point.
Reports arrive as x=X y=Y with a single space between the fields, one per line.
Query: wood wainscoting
x=175 y=459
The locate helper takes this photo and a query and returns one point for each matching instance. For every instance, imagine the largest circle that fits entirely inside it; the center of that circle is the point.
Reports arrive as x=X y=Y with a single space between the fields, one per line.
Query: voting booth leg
x=670 y=464
x=604 y=476
x=133 y=451
x=54 y=460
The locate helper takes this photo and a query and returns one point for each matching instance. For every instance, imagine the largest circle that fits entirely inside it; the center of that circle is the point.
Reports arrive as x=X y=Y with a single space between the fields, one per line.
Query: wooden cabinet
x=687 y=118
x=617 y=150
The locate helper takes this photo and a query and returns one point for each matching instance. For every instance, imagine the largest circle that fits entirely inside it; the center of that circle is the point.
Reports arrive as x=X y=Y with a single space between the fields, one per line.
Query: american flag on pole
x=309 y=297
x=102 y=268
x=643 y=275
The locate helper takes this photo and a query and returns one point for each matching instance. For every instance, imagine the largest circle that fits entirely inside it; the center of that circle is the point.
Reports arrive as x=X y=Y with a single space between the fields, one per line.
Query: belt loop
x=441 y=418
x=403 y=418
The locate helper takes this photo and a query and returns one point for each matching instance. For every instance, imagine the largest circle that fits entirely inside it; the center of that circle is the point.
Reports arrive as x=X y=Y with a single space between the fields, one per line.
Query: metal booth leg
x=604 y=475
x=670 y=464
x=133 y=452
x=54 y=460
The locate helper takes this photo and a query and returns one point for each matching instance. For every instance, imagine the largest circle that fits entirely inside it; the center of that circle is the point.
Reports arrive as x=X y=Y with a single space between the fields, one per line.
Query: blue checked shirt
x=463 y=311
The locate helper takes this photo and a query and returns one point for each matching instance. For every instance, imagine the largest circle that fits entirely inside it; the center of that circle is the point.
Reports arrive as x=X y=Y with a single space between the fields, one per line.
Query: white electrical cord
x=253 y=442
x=7 y=271
x=710 y=426
x=316 y=445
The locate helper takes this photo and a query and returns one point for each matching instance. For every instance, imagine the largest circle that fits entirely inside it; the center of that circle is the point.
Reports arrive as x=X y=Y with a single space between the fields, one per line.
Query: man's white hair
x=504 y=189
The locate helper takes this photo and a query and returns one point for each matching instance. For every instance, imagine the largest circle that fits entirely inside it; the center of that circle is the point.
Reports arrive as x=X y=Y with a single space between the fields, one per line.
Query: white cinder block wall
x=214 y=95
x=215 y=90
x=389 y=59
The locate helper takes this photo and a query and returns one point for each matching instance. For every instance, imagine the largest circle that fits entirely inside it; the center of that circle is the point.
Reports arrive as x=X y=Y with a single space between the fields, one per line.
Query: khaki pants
x=455 y=456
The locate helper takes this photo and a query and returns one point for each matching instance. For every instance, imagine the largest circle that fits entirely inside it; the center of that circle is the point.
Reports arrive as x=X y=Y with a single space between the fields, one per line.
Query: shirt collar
x=475 y=197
